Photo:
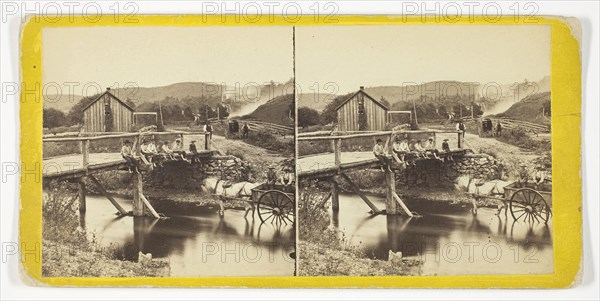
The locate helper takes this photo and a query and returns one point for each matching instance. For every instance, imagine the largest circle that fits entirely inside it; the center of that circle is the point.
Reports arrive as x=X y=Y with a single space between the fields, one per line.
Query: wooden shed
x=361 y=112
x=107 y=113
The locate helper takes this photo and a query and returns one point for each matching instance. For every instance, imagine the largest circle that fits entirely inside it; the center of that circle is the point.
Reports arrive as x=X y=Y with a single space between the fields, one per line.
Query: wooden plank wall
x=348 y=115
x=94 y=118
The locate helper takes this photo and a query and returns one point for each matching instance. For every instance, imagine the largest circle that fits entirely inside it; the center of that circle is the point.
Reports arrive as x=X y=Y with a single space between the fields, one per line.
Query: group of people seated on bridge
x=155 y=154
x=403 y=147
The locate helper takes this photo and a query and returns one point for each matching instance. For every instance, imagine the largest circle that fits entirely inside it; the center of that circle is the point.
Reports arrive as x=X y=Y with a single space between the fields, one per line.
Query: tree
x=188 y=113
x=329 y=114
x=477 y=111
x=223 y=111
x=384 y=101
x=53 y=118
x=75 y=115
x=307 y=117
x=442 y=111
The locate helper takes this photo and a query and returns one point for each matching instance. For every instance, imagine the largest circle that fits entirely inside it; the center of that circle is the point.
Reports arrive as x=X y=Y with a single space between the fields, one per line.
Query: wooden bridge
x=76 y=167
x=333 y=166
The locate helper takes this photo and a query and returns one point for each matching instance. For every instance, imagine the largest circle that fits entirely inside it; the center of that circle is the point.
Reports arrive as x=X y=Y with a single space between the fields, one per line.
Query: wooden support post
x=138 y=203
x=390 y=187
x=337 y=151
x=402 y=205
x=149 y=206
x=335 y=196
x=360 y=193
x=459 y=137
x=206 y=141
x=107 y=195
x=82 y=194
x=181 y=138
x=138 y=145
x=85 y=151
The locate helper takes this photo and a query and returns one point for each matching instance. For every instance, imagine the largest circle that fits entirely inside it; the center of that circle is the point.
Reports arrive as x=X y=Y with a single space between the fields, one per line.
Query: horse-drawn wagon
x=529 y=202
x=485 y=128
x=524 y=201
x=274 y=203
x=233 y=129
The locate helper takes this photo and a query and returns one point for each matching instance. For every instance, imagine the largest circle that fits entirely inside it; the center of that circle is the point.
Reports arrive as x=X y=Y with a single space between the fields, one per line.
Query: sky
x=348 y=56
x=158 y=56
x=354 y=56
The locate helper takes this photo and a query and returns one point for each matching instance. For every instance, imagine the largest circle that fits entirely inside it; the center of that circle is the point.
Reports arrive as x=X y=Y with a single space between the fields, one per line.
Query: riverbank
x=319 y=260
x=69 y=251
x=82 y=260
x=327 y=251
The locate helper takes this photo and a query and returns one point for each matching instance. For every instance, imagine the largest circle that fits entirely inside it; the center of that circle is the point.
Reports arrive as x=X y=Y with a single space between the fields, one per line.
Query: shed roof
x=111 y=95
x=365 y=94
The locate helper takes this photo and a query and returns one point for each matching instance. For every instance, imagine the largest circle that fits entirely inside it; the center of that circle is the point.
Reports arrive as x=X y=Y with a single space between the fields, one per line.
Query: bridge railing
x=112 y=143
x=312 y=143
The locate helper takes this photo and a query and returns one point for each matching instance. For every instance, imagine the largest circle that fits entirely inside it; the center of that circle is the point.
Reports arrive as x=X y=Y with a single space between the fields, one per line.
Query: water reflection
x=195 y=241
x=449 y=238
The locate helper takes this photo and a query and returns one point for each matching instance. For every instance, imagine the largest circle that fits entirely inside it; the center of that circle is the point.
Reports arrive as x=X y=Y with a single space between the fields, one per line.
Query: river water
x=448 y=238
x=195 y=240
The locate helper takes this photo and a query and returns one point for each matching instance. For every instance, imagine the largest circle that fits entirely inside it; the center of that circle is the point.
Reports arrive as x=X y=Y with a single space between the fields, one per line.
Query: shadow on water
x=448 y=238
x=195 y=242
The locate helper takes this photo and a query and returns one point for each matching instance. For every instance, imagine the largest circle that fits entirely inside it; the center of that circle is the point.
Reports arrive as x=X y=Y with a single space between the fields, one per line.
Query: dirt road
x=503 y=151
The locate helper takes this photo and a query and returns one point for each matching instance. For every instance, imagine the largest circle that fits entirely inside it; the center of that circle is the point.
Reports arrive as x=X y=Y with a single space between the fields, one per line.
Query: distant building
x=107 y=113
x=374 y=113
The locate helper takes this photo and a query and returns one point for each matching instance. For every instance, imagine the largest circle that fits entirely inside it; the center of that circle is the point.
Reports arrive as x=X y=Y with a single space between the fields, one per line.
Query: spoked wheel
x=529 y=205
x=276 y=207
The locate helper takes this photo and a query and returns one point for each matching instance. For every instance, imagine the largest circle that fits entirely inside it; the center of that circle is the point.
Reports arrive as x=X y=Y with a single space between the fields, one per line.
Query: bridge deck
x=322 y=165
x=71 y=166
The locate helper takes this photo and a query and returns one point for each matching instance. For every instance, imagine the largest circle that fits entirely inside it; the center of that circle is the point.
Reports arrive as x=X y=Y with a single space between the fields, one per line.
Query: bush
x=270 y=142
x=59 y=212
x=522 y=139
x=307 y=117
x=54 y=118
x=312 y=210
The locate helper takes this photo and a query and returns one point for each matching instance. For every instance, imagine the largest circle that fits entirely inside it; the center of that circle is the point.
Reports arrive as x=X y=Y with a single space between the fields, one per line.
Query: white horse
x=241 y=190
x=477 y=187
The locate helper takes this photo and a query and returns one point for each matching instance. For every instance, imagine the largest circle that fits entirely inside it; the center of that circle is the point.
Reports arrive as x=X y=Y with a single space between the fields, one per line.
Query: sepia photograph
x=424 y=150
x=168 y=151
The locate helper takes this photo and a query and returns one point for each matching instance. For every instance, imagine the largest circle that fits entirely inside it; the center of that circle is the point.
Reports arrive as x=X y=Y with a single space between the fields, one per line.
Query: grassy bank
x=68 y=251
x=326 y=251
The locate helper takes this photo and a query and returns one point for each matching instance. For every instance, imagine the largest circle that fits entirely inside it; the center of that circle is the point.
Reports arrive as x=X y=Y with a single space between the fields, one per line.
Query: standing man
x=460 y=126
x=208 y=129
x=245 y=131
x=499 y=129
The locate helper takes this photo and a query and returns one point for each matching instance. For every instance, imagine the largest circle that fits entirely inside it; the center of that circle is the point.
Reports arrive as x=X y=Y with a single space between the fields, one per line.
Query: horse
x=477 y=187
x=242 y=190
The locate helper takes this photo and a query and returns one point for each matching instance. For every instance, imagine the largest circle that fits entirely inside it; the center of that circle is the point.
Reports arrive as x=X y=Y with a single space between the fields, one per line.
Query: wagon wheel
x=275 y=206
x=530 y=205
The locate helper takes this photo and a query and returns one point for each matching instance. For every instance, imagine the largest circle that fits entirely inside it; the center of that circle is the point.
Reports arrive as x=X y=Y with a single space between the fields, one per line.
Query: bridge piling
x=82 y=196
x=390 y=183
x=335 y=196
x=138 y=203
